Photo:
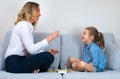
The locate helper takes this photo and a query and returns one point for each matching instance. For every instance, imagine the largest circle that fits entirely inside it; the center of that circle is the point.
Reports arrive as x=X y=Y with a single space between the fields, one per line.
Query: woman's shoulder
x=22 y=22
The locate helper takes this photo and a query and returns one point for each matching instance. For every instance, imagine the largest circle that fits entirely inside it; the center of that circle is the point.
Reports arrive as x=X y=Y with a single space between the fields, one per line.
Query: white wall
x=68 y=16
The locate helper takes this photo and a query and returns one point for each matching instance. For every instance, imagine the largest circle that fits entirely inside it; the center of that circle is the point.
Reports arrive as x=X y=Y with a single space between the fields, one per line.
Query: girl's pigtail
x=100 y=40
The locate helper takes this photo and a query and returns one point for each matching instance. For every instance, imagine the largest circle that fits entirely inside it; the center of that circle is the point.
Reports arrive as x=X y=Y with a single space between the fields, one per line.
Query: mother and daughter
x=25 y=56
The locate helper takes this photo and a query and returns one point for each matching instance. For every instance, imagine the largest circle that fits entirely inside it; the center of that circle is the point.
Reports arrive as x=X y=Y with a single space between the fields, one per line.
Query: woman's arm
x=27 y=39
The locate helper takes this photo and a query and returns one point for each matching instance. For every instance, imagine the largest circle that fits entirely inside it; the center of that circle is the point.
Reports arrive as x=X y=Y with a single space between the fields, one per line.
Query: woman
x=22 y=55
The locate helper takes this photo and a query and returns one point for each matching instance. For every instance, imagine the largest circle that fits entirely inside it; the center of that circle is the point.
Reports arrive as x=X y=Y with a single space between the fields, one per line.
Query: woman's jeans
x=23 y=64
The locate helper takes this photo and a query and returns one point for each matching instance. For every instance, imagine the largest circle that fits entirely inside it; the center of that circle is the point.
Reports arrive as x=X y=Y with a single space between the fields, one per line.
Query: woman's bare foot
x=36 y=71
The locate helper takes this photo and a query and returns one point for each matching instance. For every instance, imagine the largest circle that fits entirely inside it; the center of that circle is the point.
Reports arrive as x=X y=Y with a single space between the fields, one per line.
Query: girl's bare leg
x=81 y=65
x=90 y=68
x=86 y=67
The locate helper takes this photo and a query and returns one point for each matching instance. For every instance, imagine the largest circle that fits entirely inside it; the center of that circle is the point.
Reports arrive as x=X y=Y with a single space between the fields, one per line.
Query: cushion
x=109 y=38
x=113 y=56
x=55 y=44
x=0 y=56
x=71 y=46
x=5 y=45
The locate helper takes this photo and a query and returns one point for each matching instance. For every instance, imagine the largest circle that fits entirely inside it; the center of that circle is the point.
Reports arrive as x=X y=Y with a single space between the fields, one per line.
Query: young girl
x=23 y=55
x=93 y=58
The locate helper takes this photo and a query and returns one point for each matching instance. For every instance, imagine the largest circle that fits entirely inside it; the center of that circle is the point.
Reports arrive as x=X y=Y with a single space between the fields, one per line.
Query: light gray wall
x=68 y=16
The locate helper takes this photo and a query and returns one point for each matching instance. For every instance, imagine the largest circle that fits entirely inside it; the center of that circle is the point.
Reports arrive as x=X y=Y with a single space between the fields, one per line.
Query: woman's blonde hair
x=98 y=36
x=26 y=13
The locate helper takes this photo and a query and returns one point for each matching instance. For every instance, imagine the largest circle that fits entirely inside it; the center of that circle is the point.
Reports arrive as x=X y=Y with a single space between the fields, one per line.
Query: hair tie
x=98 y=34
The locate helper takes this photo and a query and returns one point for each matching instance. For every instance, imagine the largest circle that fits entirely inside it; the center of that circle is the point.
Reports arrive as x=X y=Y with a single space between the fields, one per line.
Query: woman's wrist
x=52 y=36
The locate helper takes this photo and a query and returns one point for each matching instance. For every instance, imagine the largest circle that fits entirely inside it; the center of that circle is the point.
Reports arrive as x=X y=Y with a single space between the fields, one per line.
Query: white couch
x=68 y=45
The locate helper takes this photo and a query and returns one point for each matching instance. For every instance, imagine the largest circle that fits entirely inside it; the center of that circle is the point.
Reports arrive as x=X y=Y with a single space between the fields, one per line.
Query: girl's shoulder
x=95 y=46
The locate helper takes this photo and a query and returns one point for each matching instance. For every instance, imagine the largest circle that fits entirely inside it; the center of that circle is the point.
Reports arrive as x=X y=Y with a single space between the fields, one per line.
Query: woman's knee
x=49 y=56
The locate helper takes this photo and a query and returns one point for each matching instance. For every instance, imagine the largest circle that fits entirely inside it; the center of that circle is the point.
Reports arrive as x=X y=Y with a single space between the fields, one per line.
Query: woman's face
x=35 y=15
x=38 y=14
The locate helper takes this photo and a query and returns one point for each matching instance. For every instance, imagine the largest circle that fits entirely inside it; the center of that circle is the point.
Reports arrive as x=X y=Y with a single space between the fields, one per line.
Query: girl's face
x=86 y=37
x=35 y=15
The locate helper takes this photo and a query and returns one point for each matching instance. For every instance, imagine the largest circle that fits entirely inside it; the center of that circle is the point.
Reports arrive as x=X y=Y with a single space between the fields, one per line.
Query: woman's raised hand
x=52 y=36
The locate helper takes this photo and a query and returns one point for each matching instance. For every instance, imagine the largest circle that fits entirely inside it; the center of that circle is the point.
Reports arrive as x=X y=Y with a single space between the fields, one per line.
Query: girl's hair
x=98 y=36
x=26 y=13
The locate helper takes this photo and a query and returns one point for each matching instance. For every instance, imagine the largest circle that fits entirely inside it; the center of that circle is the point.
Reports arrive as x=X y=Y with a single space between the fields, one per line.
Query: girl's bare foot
x=75 y=65
x=73 y=60
x=36 y=71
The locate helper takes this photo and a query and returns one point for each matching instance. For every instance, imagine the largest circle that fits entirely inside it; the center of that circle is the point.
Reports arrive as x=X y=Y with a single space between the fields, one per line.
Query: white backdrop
x=68 y=16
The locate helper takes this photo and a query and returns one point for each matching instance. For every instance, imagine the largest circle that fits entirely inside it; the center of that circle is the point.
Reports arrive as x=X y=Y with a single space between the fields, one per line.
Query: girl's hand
x=53 y=51
x=52 y=36
x=75 y=66
x=82 y=65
